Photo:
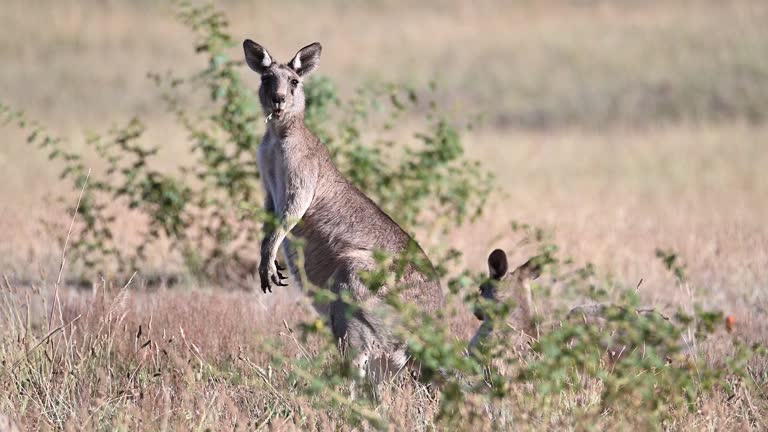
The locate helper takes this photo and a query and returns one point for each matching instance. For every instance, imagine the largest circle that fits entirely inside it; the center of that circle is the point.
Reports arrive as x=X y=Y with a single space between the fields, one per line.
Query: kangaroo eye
x=294 y=82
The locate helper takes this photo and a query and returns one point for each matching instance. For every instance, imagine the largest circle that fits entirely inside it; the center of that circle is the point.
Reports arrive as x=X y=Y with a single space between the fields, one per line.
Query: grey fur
x=340 y=227
x=503 y=284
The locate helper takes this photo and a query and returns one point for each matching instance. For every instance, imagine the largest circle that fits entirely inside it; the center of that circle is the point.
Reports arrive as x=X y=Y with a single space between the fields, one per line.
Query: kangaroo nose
x=278 y=99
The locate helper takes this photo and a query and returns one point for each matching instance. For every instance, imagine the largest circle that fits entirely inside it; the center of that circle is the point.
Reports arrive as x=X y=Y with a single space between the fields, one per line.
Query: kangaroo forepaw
x=265 y=286
x=279 y=269
x=270 y=275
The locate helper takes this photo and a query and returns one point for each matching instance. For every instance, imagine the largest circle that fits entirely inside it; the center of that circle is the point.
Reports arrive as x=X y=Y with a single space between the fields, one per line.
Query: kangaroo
x=502 y=284
x=339 y=226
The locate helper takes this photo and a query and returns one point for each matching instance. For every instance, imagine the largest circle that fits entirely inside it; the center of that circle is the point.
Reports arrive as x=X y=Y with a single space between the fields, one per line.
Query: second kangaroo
x=340 y=227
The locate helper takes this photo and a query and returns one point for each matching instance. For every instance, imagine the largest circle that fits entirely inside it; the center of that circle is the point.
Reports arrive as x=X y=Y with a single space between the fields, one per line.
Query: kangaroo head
x=503 y=284
x=281 y=93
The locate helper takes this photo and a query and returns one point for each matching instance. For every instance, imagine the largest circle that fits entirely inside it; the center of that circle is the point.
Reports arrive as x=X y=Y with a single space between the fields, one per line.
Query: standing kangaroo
x=339 y=226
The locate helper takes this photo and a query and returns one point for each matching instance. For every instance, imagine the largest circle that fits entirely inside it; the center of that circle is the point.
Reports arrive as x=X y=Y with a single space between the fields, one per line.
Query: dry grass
x=202 y=360
x=622 y=126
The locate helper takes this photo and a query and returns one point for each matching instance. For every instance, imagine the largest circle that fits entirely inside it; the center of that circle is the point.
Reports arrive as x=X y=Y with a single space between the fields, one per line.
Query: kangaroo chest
x=275 y=170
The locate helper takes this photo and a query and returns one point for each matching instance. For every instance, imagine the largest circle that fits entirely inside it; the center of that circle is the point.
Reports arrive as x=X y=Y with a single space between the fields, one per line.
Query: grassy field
x=621 y=126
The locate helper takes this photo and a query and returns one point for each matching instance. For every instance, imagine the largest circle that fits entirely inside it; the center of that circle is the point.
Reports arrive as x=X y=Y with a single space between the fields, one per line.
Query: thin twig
x=295 y=341
x=56 y=301
x=123 y=396
x=43 y=340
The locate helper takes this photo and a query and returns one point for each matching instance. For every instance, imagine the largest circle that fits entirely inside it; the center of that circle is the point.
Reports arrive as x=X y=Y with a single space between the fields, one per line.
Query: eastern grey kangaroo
x=503 y=285
x=339 y=226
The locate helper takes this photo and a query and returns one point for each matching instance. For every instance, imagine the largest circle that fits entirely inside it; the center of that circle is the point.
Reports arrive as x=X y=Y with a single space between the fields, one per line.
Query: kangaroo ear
x=497 y=264
x=256 y=56
x=307 y=59
x=530 y=270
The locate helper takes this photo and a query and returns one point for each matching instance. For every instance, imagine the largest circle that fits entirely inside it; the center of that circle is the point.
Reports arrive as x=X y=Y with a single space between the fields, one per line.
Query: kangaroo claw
x=266 y=287
x=278 y=282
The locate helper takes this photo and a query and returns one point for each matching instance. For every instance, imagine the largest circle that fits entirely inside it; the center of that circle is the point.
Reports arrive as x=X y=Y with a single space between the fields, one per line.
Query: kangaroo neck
x=282 y=128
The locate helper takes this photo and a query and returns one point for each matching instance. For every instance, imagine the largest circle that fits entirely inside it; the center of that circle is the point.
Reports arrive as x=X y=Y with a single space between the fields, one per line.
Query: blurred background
x=624 y=126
